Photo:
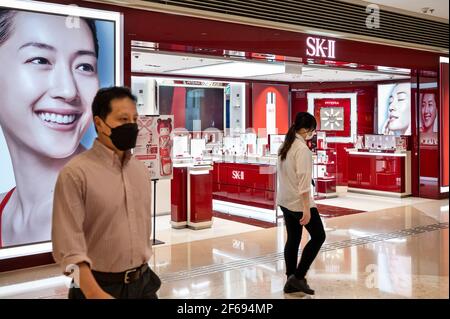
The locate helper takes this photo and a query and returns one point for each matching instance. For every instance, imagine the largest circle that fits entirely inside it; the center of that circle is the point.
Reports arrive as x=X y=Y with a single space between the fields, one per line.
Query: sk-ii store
x=421 y=171
x=339 y=80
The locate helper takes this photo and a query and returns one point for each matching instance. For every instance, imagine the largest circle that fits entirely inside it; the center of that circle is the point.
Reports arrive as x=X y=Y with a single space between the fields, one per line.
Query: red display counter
x=386 y=174
x=247 y=190
x=191 y=197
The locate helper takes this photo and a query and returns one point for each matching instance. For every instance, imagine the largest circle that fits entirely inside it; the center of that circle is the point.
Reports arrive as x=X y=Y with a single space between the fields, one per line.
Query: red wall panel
x=299 y=103
x=428 y=164
x=179 y=107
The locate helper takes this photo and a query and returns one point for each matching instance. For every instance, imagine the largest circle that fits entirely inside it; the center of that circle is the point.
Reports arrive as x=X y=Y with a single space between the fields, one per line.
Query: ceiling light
x=293 y=68
x=235 y=69
x=394 y=70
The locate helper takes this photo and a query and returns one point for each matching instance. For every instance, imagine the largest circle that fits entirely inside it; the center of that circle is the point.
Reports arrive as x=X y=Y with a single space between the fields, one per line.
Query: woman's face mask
x=309 y=135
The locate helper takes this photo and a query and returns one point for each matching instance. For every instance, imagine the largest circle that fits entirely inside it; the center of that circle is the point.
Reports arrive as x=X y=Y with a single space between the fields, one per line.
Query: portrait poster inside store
x=428 y=117
x=154 y=145
x=394 y=109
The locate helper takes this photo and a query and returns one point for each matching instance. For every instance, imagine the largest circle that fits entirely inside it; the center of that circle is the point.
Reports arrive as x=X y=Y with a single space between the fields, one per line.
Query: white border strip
x=353 y=117
x=266 y=215
x=443 y=59
x=13 y=252
x=379 y=154
x=377 y=193
x=16 y=290
x=444 y=189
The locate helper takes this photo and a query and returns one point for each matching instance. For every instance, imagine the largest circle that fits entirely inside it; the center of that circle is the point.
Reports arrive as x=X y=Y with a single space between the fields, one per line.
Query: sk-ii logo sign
x=237 y=175
x=320 y=48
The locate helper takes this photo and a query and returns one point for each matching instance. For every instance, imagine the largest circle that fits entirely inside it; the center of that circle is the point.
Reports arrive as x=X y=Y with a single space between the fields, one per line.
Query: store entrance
x=232 y=112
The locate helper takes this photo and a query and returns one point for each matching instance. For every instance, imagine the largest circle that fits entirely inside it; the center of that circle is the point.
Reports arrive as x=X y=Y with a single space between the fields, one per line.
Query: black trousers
x=143 y=288
x=294 y=236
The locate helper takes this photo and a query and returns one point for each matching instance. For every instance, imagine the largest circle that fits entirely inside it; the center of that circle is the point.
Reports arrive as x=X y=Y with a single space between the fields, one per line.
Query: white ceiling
x=441 y=7
x=170 y=64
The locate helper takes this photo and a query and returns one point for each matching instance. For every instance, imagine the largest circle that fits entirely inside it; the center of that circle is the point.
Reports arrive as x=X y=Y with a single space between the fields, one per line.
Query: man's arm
x=68 y=239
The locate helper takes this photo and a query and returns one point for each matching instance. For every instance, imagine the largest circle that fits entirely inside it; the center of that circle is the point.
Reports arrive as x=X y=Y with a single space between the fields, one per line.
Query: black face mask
x=124 y=136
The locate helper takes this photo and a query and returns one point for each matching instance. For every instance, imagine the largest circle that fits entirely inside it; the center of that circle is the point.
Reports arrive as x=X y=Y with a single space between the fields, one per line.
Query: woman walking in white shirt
x=294 y=198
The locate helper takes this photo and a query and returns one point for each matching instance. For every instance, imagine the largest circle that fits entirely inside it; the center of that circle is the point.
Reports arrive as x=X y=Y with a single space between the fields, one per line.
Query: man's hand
x=89 y=286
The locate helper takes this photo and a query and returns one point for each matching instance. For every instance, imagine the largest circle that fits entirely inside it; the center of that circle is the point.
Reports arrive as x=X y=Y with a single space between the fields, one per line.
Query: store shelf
x=324 y=173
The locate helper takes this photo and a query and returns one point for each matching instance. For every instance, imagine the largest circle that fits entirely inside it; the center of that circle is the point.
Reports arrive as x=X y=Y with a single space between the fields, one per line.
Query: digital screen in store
x=54 y=59
x=394 y=109
x=194 y=108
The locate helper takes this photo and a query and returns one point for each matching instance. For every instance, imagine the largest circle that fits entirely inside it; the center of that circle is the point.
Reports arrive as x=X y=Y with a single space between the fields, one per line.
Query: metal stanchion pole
x=155 y=241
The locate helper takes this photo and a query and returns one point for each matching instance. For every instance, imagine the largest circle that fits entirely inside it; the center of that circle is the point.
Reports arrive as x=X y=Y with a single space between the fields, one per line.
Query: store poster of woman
x=394 y=109
x=428 y=119
x=51 y=71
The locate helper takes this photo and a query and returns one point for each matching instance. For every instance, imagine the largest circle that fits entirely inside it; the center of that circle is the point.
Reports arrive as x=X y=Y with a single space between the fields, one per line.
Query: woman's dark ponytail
x=302 y=120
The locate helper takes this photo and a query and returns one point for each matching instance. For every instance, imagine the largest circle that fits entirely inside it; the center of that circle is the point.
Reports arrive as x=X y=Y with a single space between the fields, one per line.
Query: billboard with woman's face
x=428 y=118
x=54 y=59
x=394 y=109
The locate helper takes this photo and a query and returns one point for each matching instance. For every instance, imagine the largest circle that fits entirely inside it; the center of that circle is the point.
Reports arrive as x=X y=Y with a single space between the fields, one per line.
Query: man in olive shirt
x=101 y=211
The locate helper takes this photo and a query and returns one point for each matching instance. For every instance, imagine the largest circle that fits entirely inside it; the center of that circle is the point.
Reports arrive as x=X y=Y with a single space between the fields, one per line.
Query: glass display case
x=383 y=143
x=275 y=142
x=375 y=142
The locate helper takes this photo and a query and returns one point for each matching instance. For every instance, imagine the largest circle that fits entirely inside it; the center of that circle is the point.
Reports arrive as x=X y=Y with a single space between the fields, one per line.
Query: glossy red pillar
x=199 y=193
x=178 y=206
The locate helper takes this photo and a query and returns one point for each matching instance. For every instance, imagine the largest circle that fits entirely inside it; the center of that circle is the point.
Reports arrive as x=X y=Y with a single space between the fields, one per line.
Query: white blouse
x=294 y=176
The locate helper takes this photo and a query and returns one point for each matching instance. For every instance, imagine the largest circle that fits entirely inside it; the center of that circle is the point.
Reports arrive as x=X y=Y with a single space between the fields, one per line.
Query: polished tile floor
x=392 y=252
x=368 y=202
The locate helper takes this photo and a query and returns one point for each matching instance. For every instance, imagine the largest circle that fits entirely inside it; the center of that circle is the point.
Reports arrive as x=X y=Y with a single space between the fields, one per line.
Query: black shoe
x=289 y=289
x=297 y=285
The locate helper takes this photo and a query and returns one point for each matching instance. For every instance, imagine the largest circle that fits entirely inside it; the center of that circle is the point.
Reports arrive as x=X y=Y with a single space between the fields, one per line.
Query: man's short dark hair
x=101 y=105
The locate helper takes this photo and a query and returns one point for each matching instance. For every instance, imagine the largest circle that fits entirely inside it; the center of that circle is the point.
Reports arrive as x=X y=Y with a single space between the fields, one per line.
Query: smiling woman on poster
x=49 y=78
x=428 y=119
